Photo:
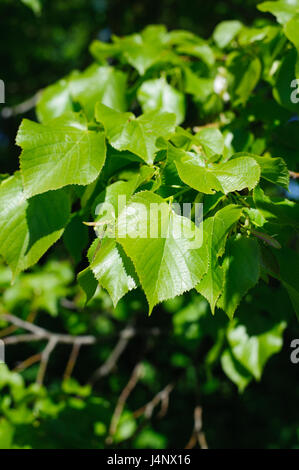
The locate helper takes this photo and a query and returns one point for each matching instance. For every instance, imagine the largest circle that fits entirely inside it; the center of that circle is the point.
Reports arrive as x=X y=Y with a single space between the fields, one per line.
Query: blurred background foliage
x=43 y=40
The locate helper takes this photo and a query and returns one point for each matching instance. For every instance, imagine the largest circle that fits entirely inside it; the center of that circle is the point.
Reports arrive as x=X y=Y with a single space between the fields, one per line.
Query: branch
x=45 y=359
x=28 y=362
x=163 y=397
x=136 y=374
x=72 y=361
x=21 y=108
x=197 y=435
x=110 y=363
x=39 y=333
x=294 y=174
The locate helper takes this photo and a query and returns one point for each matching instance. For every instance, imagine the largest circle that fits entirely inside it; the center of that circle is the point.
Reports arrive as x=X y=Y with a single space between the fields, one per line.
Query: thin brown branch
x=136 y=374
x=72 y=361
x=294 y=175
x=28 y=362
x=21 y=108
x=45 y=359
x=39 y=333
x=12 y=329
x=110 y=363
x=161 y=397
x=197 y=436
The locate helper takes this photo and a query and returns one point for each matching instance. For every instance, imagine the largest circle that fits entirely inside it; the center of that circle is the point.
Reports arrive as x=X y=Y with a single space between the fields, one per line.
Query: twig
x=162 y=396
x=110 y=363
x=136 y=374
x=72 y=361
x=28 y=362
x=39 y=333
x=11 y=329
x=197 y=435
x=21 y=108
x=147 y=410
x=294 y=174
x=206 y=126
x=45 y=359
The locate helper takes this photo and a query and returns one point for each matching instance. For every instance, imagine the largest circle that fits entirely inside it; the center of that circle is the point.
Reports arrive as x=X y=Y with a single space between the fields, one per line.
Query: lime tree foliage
x=161 y=117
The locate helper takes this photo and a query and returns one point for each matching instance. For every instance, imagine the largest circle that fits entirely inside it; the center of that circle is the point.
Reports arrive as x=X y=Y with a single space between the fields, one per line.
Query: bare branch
x=136 y=374
x=163 y=397
x=294 y=174
x=72 y=361
x=110 y=363
x=39 y=333
x=28 y=362
x=197 y=435
x=45 y=359
x=21 y=108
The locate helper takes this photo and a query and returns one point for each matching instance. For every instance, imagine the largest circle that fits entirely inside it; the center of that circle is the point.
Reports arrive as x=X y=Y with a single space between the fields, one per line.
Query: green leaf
x=54 y=101
x=241 y=268
x=198 y=48
x=102 y=50
x=104 y=84
x=235 y=371
x=211 y=140
x=274 y=170
x=34 y=5
x=145 y=49
x=166 y=248
x=138 y=135
x=158 y=95
x=225 y=32
x=233 y=175
x=254 y=350
x=200 y=87
x=291 y=30
x=283 y=10
x=88 y=283
x=7 y=432
x=59 y=153
x=113 y=270
x=29 y=227
x=216 y=230
x=276 y=210
x=245 y=72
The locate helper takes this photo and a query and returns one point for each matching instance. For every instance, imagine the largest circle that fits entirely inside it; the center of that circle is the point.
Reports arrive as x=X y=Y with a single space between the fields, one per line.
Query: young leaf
x=211 y=140
x=216 y=230
x=145 y=49
x=59 y=153
x=166 y=249
x=291 y=29
x=253 y=351
x=235 y=371
x=225 y=32
x=29 y=227
x=104 y=84
x=88 y=283
x=226 y=177
x=272 y=169
x=138 y=135
x=283 y=10
x=113 y=270
x=158 y=95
